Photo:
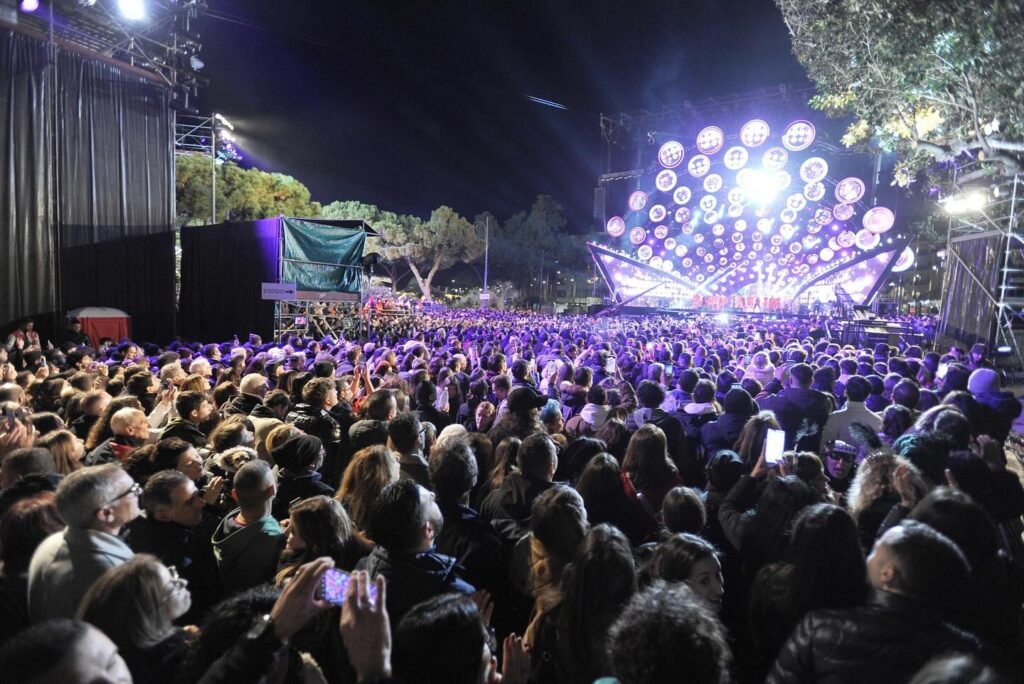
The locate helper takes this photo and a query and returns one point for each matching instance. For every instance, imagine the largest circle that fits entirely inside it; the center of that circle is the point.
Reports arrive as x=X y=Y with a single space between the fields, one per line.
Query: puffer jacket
x=414 y=578
x=888 y=640
x=319 y=423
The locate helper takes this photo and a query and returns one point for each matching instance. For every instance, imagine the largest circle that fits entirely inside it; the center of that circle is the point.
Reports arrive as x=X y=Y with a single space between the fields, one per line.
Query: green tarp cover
x=333 y=249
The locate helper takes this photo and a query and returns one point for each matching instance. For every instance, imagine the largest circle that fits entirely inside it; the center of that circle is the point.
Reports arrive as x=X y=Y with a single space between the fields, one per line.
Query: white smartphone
x=774 y=445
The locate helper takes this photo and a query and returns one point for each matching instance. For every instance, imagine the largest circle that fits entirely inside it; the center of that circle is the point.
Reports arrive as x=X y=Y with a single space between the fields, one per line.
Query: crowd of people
x=480 y=497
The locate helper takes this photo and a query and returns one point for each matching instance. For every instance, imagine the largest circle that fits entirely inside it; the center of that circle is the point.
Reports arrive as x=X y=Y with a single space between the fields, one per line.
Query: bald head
x=128 y=422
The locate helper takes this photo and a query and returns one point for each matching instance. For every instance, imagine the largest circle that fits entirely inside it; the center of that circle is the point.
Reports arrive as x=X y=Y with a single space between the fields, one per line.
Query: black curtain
x=222 y=269
x=89 y=194
x=28 y=244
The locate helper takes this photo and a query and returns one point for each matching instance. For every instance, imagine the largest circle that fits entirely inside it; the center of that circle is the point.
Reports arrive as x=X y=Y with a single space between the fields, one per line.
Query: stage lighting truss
x=753 y=211
x=157 y=36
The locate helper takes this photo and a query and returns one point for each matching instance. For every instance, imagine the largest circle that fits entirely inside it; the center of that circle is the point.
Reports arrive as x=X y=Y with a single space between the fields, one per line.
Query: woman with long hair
x=24 y=526
x=371 y=470
x=874 y=492
x=751 y=440
x=504 y=462
x=647 y=471
x=691 y=559
x=606 y=501
x=570 y=643
x=317 y=527
x=68 y=451
x=101 y=430
x=136 y=604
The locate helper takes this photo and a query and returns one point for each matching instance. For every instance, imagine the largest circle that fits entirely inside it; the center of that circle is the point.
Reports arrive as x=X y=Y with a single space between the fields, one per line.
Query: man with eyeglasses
x=95 y=503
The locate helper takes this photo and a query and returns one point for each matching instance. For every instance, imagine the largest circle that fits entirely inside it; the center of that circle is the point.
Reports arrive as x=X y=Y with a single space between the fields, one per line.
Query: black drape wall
x=97 y=175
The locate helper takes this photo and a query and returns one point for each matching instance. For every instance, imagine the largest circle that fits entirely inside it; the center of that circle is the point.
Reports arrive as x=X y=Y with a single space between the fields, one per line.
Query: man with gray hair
x=252 y=389
x=95 y=503
x=130 y=428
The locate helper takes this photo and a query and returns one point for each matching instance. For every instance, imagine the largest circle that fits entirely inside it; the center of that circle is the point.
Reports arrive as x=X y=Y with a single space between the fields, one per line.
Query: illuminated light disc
x=764 y=225
x=638 y=200
x=708 y=258
x=740 y=225
x=713 y=183
x=823 y=216
x=735 y=158
x=671 y=154
x=723 y=261
x=708 y=202
x=866 y=240
x=795 y=248
x=719 y=243
x=616 y=226
x=661 y=232
x=735 y=210
x=846 y=239
x=718 y=229
x=799 y=135
x=754 y=133
x=670 y=243
x=756 y=236
x=905 y=261
x=699 y=166
x=826 y=254
x=698 y=238
x=737 y=237
x=814 y=191
x=699 y=278
x=776 y=240
x=687 y=262
x=687 y=228
x=796 y=201
x=644 y=253
x=879 y=219
x=656 y=262
x=813 y=228
x=711 y=217
x=787 y=215
x=810 y=241
x=682 y=195
x=812 y=259
x=745 y=177
x=682 y=215
x=813 y=170
x=781 y=180
x=737 y=196
x=681 y=251
x=710 y=140
x=787 y=230
x=774 y=159
x=665 y=180
x=637 y=235
x=843 y=212
x=666 y=266
x=657 y=213
x=850 y=190
x=741 y=247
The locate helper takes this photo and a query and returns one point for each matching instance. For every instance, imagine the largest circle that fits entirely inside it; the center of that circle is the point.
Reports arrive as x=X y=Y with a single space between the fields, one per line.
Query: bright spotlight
x=722 y=318
x=132 y=10
x=29 y=6
x=196 y=63
x=963 y=204
x=223 y=121
x=761 y=187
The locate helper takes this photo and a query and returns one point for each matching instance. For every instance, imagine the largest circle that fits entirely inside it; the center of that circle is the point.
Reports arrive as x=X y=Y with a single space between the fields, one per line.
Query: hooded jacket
x=247 y=555
x=186 y=430
x=242 y=405
x=595 y=414
x=800 y=410
x=413 y=578
x=513 y=500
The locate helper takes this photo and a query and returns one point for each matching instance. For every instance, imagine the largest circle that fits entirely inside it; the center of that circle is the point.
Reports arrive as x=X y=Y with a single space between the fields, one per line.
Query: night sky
x=410 y=105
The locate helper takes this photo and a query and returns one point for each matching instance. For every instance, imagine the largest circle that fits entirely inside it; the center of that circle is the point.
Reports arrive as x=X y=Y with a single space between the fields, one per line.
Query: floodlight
x=722 y=318
x=761 y=188
x=29 y=6
x=196 y=63
x=220 y=118
x=964 y=204
x=132 y=10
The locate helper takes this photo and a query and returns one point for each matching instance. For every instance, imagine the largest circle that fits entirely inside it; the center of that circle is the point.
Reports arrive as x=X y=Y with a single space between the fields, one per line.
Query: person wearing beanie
x=999 y=408
x=297 y=462
x=723 y=432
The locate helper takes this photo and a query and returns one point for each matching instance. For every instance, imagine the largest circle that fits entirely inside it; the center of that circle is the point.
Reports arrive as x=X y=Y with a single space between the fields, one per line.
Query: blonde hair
x=371 y=470
x=61 y=443
x=279 y=435
x=874 y=480
x=195 y=383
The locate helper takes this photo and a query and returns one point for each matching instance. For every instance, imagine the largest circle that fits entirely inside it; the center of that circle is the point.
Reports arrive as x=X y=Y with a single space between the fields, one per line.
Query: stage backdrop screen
x=322 y=258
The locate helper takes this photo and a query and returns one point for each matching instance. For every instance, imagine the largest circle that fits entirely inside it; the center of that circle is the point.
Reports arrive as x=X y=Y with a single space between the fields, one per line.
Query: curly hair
x=874 y=480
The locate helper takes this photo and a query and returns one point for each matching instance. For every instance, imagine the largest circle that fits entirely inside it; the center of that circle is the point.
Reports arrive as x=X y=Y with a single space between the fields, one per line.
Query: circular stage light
x=710 y=140
x=850 y=190
x=699 y=166
x=775 y=159
x=813 y=170
x=638 y=200
x=666 y=266
x=867 y=240
x=787 y=230
x=843 y=212
x=718 y=229
x=737 y=237
x=665 y=180
x=681 y=251
x=814 y=191
x=712 y=216
x=799 y=135
x=687 y=262
x=687 y=229
x=637 y=235
x=657 y=213
x=682 y=215
x=823 y=216
x=656 y=262
x=616 y=226
x=796 y=201
x=670 y=243
x=782 y=180
x=682 y=195
x=644 y=253
x=795 y=248
x=708 y=202
x=826 y=254
x=698 y=238
x=879 y=219
x=737 y=196
x=735 y=210
x=671 y=154
x=754 y=133
x=846 y=239
x=661 y=232
x=713 y=183
x=735 y=158
x=740 y=225
x=905 y=261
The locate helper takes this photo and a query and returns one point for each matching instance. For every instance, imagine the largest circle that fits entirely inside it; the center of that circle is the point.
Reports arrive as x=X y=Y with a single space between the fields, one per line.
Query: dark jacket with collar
x=242 y=405
x=429 y=414
x=319 y=423
x=302 y=486
x=887 y=640
x=112 y=450
x=721 y=433
x=513 y=500
x=414 y=578
x=798 y=409
x=186 y=430
x=474 y=545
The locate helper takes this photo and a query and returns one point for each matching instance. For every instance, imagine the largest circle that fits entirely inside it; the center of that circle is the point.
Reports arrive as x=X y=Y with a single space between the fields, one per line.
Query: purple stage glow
x=734 y=222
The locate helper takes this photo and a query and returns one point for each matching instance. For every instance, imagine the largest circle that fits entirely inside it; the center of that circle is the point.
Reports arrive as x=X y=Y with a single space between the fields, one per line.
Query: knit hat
x=983 y=381
x=738 y=402
x=297 y=453
x=522 y=399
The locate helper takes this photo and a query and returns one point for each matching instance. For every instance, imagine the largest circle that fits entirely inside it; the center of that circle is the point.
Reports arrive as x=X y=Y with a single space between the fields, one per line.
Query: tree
x=242 y=194
x=385 y=223
x=428 y=246
x=930 y=79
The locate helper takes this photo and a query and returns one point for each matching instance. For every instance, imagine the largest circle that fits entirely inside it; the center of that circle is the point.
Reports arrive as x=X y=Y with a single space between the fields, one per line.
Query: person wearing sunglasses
x=95 y=503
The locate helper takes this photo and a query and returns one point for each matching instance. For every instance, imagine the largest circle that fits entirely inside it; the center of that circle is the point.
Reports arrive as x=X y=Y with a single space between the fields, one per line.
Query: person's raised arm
x=366 y=629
